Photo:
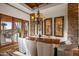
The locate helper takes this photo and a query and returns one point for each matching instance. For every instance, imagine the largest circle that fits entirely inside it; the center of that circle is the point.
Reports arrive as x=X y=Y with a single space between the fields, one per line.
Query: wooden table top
x=48 y=40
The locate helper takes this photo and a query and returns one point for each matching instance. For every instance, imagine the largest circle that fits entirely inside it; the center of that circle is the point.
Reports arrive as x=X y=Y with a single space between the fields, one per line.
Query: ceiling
x=32 y=7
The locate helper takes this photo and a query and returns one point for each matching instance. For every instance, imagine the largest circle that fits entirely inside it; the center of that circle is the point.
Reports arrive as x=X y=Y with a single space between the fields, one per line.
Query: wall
x=56 y=11
x=73 y=22
x=11 y=11
x=78 y=23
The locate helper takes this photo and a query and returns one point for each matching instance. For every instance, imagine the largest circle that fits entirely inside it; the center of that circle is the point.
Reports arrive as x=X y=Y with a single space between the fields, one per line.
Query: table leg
x=55 y=51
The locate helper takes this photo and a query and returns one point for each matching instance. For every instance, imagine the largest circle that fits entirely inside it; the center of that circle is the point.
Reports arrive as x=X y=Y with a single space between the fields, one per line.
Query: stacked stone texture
x=73 y=22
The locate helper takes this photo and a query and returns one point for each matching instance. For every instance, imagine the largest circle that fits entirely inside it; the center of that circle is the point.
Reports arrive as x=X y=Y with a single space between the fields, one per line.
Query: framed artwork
x=48 y=26
x=58 y=26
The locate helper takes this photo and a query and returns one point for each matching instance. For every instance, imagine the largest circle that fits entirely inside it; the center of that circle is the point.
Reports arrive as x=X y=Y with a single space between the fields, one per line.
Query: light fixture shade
x=41 y=16
x=32 y=17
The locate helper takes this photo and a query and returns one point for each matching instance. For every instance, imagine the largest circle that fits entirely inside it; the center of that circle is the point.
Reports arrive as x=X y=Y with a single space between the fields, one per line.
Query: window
x=6 y=30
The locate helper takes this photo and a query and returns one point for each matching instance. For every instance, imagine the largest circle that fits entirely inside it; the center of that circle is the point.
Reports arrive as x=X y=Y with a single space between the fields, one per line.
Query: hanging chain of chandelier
x=38 y=18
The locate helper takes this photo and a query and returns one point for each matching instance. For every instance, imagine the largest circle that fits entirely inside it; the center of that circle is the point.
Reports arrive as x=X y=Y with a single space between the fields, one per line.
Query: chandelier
x=38 y=17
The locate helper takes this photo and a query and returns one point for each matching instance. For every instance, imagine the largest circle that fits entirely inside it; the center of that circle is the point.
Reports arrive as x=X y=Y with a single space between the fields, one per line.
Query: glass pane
x=19 y=27
x=26 y=29
x=15 y=33
x=6 y=30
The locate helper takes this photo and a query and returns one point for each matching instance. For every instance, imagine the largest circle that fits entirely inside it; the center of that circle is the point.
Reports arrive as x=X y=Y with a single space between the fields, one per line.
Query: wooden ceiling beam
x=33 y=5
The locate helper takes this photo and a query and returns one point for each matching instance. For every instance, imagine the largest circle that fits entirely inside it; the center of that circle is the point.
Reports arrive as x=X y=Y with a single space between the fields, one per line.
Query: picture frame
x=48 y=26
x=59 y=26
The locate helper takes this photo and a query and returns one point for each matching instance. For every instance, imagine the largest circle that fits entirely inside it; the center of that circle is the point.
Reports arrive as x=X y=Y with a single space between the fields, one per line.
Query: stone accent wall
x=73 y=22
x=0 y=29
x=78 y=22
x=0 y=22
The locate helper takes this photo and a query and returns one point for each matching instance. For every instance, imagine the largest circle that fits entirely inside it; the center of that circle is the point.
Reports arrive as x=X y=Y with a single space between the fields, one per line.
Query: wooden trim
x=6 y=18
x=22 y=28
x=13 y=21
x=11 y=16
x=13 y=27
x=2 y=46
x=5 y=15
x=45 y=26
x=62 y=26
